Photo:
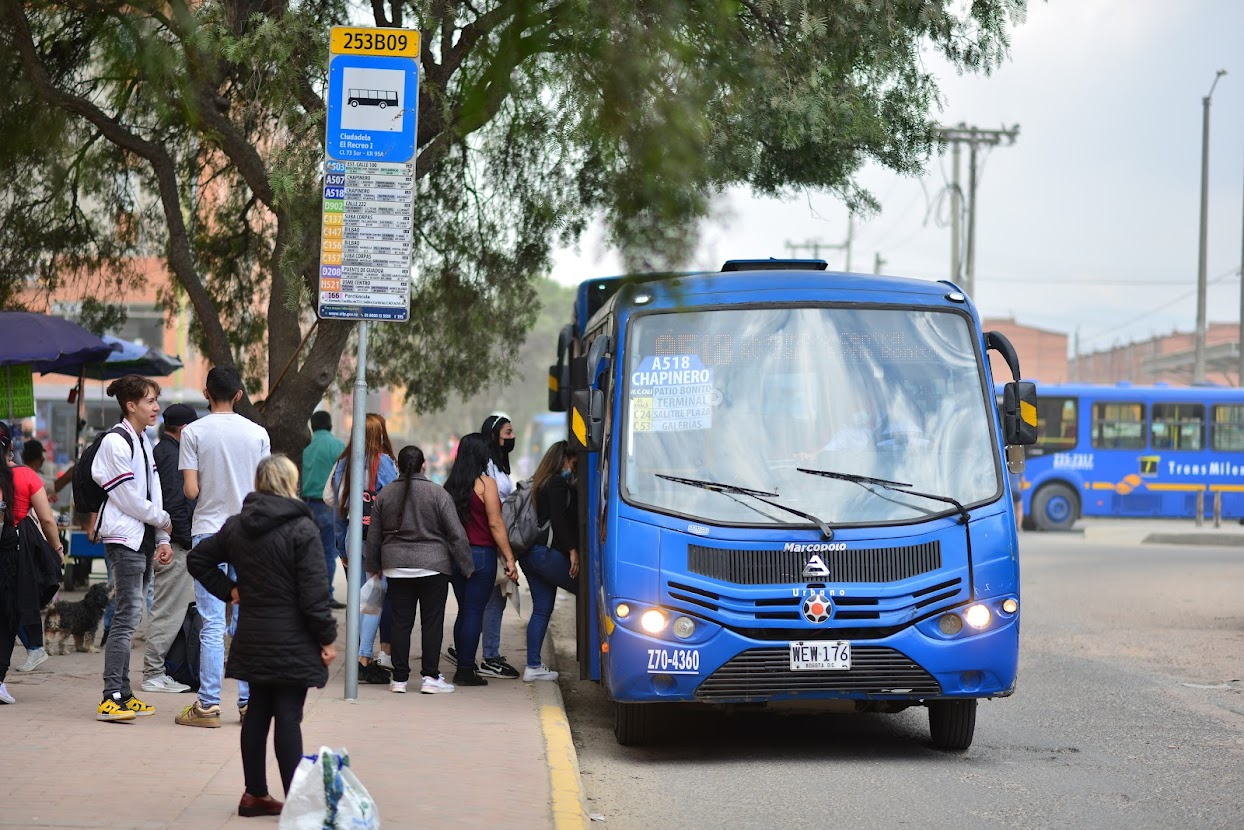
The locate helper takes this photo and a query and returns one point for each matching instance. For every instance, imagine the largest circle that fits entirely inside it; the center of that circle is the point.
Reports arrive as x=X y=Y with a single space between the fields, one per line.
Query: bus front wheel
x=633 y=723
x=1054 y=507
x=952 y=723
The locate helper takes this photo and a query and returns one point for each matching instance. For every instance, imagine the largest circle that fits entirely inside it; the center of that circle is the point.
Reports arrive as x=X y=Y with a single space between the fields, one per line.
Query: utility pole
x=973 y=137
x=878 y=262
x=1198 y=370
x=1240 y=346
x=956 y=216
x=814 y=246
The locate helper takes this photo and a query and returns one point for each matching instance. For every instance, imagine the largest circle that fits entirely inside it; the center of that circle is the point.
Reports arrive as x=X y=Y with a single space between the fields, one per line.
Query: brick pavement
x=474 y=758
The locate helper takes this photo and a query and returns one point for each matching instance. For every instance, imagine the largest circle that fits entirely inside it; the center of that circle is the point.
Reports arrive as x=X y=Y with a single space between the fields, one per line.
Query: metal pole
x=1240 y=345
x=970 y=281
x=354 y=537
x=1198 y=369
x=956 y=213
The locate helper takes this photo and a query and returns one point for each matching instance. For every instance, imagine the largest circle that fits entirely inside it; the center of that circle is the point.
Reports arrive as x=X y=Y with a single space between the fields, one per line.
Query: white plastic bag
x=326 y=795
x=371 y=596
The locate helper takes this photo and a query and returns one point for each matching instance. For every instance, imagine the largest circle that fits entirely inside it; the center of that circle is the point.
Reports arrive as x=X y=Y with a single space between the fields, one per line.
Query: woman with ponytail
x=415 y=542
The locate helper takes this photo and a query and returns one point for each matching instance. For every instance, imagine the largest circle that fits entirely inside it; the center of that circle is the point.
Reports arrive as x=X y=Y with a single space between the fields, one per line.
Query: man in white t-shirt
x=219 y=455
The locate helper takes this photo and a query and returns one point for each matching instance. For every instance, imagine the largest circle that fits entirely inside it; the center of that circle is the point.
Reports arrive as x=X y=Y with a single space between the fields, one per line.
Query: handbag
x=45 y=565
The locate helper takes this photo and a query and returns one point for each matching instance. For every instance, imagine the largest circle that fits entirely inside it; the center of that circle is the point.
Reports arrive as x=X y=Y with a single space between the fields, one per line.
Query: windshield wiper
x=896 y=486
x=758 y=495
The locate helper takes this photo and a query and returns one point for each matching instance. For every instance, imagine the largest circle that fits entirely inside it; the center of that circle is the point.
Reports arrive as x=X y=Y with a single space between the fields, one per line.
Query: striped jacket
x=127 y=476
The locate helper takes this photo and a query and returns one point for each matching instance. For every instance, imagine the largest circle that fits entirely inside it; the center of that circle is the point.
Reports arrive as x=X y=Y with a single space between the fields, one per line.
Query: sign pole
x=367 y=231
x=354 y=540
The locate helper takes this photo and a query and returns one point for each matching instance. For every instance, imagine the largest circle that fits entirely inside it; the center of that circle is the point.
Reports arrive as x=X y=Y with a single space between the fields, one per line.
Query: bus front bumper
x=914 y=664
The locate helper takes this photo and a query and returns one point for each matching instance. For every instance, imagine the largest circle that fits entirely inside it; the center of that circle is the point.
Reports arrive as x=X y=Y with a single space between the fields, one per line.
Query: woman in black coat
x=284 y=641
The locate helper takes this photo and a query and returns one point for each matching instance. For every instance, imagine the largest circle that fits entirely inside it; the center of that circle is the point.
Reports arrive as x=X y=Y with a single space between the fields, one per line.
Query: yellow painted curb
x=566 y=788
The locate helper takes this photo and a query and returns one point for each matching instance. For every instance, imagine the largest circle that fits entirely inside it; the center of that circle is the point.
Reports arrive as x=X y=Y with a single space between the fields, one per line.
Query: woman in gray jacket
x=416 y=540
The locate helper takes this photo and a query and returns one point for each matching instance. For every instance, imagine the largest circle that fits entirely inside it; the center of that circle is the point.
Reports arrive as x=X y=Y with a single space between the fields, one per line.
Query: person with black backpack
x=174 y=587
x=553 y=561
x=134 y=527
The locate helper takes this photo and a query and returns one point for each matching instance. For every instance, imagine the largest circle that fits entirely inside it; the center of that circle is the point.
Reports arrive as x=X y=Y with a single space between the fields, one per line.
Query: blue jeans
x=323 y=515
x=546 y=570
x=212 y=641
x=492 y=624
x=111 y=609
x=132 y=572
x=472 y=595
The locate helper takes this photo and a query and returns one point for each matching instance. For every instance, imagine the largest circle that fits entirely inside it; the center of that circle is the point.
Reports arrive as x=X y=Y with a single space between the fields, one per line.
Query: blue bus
x=795 y=489
x=1134 y=451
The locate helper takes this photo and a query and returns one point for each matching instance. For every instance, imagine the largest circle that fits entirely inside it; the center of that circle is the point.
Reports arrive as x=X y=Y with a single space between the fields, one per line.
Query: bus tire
x=633 y=723
x=1055 y=507
x=952 y=724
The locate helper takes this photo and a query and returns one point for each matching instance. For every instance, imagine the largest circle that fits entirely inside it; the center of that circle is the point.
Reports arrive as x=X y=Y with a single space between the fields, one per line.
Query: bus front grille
x=762 y=672
x=777 y=567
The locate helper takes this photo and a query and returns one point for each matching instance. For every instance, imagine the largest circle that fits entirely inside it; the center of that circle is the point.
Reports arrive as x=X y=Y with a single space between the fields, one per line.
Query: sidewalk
x=480 y=757
x=1161 y=532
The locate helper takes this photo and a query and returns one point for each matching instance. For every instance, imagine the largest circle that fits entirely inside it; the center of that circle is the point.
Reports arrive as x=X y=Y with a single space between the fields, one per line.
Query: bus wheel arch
x=1055 y=506
x=952 y=723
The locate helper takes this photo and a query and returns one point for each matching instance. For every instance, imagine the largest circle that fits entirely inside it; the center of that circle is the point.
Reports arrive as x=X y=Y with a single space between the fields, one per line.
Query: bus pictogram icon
x=382 y=98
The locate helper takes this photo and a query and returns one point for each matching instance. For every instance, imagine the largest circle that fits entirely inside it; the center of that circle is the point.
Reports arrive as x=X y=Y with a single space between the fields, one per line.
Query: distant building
x=1042 y=353
x=1167 y=359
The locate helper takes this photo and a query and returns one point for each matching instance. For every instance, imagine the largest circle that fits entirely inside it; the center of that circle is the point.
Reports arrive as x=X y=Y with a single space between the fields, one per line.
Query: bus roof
x=1125 y=391
x=744 y=286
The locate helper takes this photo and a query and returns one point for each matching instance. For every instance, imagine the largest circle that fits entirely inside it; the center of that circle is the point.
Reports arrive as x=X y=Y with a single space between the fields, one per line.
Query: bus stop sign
x=366 y=235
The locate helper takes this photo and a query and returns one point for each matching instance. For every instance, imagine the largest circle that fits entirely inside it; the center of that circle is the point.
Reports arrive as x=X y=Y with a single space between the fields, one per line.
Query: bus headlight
x=684 y=627
x=950 y=624
x=653 y=621
x=1009 y=605
x=623 y=610
x=977 y=616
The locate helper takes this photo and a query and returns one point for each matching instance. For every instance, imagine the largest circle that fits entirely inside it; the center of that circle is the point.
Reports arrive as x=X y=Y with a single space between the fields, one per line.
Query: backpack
x=88 y=496
x=182 y=661
x=521 y=523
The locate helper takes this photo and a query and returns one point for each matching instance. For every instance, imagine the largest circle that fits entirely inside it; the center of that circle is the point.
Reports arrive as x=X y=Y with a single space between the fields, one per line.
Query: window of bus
x=1227 y=434
x=1119 y=426
x=1058 y=420
x=1178 y=426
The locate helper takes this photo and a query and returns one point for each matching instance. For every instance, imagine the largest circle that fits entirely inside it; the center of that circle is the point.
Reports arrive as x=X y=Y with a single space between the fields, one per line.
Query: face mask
x=567 y=474
x=507 y=444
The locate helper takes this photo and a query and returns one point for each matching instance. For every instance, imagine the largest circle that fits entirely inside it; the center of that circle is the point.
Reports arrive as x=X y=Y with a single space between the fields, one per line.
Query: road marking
x=565 y=786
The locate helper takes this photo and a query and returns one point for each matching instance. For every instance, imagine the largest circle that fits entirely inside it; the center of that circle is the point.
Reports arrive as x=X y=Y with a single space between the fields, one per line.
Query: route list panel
x=366 y=240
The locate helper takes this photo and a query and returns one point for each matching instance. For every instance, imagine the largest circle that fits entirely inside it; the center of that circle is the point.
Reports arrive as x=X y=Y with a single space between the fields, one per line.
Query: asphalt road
x=1129 y=713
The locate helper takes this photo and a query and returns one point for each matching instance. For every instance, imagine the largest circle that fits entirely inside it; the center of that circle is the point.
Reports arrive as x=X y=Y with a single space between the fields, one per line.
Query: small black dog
x=81 y=619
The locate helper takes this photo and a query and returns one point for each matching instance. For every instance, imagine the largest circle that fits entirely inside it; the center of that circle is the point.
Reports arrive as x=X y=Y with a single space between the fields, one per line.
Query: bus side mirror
x=1019 y=413
x=559 y=387
x=587 y=420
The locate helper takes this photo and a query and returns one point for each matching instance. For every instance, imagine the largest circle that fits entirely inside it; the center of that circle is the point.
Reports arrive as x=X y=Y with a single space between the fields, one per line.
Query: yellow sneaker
x=140 y=709
x=113 y=710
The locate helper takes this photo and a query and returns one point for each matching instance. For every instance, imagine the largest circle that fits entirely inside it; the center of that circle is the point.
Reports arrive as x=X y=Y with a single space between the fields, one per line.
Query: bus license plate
x=820 y=655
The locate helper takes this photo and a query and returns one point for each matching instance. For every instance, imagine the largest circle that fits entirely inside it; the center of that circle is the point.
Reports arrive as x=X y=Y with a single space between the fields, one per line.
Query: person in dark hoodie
x=285 y=642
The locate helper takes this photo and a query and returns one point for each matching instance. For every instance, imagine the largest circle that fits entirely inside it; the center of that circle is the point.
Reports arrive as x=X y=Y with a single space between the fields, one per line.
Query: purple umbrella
x=51 y=344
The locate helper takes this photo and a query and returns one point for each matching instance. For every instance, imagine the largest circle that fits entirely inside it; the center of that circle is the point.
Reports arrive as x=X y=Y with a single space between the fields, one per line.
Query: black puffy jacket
x=274 y=546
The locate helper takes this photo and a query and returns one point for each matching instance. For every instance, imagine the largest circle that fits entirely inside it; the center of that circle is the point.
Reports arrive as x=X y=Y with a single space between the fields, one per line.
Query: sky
x=1088 y=223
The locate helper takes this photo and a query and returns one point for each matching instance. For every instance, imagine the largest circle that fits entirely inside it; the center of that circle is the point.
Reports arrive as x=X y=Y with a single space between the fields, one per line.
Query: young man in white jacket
x=134 y=528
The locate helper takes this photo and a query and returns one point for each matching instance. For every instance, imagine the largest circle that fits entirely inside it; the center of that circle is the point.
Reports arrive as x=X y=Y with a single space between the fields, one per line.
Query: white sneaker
x=34 y=658
x=538 y=673
x=385 y=660
x=436 y=686
x=164 y=683
x=5 y=697
x=398 y=686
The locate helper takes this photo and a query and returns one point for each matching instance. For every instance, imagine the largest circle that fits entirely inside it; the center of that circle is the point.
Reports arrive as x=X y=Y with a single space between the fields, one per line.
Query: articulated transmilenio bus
x=1134 y=451
x=795 y=489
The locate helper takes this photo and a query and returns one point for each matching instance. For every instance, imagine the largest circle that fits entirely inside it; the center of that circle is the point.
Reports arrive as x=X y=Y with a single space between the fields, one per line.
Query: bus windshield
x=746 y=397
